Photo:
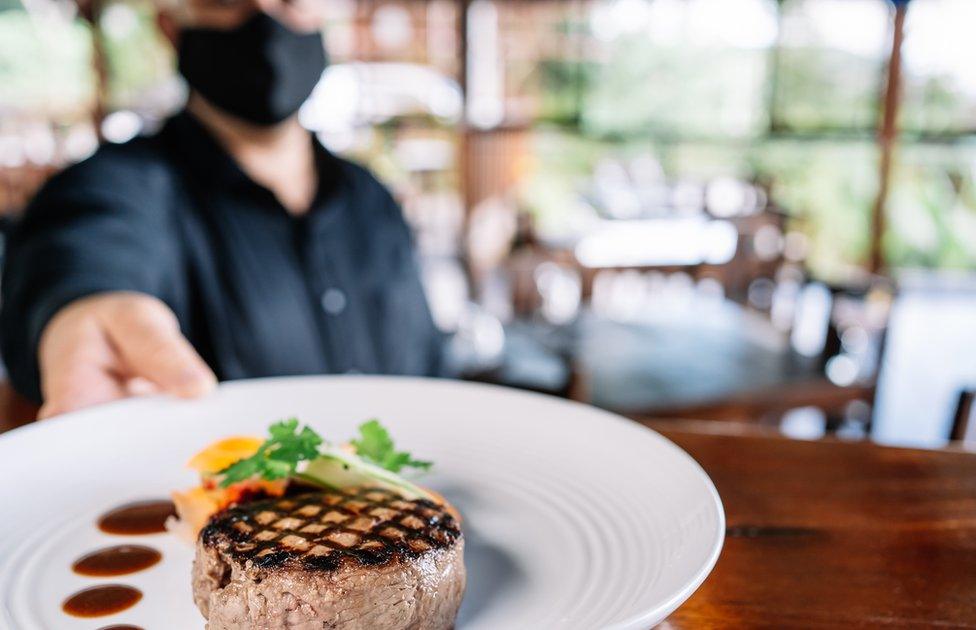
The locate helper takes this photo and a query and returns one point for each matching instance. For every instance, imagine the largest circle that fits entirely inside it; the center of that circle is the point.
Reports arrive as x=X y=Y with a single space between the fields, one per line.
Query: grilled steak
x=360 y=558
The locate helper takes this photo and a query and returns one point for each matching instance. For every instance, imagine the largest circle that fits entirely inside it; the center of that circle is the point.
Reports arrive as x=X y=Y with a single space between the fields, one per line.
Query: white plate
x=574 y=517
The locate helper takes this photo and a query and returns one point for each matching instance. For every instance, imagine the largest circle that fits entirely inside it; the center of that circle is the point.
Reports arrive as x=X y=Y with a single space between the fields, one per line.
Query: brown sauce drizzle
x=118 y=560
x=141 y=517
x=120 y=627
x=98 y=601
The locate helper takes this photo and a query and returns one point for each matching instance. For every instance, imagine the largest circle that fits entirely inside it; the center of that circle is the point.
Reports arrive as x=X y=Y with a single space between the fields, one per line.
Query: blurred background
x=755 y=211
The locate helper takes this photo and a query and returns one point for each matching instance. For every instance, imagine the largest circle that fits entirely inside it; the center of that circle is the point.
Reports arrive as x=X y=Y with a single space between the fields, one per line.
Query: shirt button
x=333 y=301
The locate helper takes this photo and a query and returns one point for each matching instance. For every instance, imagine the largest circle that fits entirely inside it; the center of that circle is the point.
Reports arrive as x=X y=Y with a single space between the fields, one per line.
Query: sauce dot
x=118 y=560
x=98 y=601
x=140 y=517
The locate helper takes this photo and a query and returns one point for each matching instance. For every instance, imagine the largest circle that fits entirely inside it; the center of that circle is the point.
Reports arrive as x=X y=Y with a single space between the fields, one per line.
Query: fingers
x=78 y=366
x=113 y=346
x=146 y=335
x=94 y=388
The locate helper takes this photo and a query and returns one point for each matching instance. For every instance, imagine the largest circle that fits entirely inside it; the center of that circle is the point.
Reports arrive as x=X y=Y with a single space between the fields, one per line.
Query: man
x=230 y=245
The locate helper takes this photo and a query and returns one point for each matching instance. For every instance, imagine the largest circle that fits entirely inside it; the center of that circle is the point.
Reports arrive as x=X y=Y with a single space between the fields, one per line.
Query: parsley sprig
x=287 y=446
x=279 y=456
x=376 y=446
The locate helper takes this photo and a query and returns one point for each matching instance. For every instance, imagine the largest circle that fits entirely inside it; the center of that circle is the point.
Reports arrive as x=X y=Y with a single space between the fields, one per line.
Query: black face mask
x=260 y=71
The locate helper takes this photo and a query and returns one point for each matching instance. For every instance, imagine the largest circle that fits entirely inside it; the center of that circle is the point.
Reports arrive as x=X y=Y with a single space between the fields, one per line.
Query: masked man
x=230 y=245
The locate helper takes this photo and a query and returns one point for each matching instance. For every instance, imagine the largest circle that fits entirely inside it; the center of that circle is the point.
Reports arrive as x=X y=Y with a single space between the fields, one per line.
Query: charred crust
x=323 y=530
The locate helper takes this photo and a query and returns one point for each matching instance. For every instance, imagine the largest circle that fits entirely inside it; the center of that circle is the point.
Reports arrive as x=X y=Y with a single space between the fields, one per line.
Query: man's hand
x=114 y=345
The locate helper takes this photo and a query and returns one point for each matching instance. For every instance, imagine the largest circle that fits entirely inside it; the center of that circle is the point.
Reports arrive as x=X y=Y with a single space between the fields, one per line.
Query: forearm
x=51 y=263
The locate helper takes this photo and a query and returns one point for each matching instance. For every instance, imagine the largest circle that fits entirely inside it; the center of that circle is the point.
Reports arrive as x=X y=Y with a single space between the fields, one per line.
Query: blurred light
x=80 y=142
x=721 y=241
x=119 y=20
x=560 y=291
x=711 y=288
x=740 y=24
x=851 y=430
x=767 y=242
x=480 y=339
x=361 y=94
x=795 y=246
x=425 y=154
x=855 y=340
x=657 y=242
x=941 y=46
x=334 y=102
x=680 y=283
x=392 y=27
x=615 y=193
x=760 y=294
x=858 y=411
x=612 y=19
x=687 y=197
x=121 y=126
x=39 y=145
x=783 y=309
x=486 y=106
x=857 y=26
x=646 y=170
x=804 y=423
x=338 y=141
x=11 y=151
x=728 y=197
x=446 y=288
x=914 y=223
x=841 y=370
x=812 y=319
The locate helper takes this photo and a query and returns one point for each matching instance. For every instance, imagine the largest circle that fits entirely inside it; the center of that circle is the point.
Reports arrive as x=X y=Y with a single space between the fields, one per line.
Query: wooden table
x=822 y=534
x=836 y=535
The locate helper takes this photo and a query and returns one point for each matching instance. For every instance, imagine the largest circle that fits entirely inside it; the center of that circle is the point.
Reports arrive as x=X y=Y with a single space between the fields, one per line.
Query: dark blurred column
x=90 y=10
x=887 y=136
x=464 y=159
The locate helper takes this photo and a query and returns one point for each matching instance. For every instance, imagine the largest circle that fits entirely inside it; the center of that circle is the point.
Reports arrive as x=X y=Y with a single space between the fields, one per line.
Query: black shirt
x=257 y=291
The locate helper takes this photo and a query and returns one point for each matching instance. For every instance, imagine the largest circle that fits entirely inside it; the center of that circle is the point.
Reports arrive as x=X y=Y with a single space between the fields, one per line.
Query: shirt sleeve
x=98 y=226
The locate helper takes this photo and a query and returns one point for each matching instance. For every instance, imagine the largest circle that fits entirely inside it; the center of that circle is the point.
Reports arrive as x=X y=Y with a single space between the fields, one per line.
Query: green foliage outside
x=818 y=89
x=702 y=111
x=44 y=65
x=138 y=56
x=676 y=92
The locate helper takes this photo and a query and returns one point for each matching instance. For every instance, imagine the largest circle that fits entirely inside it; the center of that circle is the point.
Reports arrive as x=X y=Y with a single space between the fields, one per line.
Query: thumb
x=147 y=336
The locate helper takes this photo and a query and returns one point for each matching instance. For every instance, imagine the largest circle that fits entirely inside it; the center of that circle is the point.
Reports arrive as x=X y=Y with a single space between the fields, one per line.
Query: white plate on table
x=574 y=517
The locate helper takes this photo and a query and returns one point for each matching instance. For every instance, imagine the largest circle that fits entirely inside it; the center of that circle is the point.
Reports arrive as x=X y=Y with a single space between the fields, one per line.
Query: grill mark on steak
x=321 y=530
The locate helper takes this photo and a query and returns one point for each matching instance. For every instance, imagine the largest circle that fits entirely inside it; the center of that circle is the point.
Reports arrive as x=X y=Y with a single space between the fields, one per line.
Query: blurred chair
x=927 y=361
x=964 y=419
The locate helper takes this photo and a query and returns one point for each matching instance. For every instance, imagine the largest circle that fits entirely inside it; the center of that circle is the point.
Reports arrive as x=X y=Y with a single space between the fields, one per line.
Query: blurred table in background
x=662 y=363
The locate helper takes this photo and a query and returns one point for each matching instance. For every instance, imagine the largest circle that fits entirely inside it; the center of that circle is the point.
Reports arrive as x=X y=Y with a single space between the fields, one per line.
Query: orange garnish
x=223 y=453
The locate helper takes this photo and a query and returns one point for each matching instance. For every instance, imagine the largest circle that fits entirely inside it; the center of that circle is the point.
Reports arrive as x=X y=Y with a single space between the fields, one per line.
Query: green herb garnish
x=279 y=456
x=376 y=446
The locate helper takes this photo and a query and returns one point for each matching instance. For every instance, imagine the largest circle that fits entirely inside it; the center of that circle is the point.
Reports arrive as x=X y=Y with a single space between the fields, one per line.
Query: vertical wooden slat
x=91 y=10
x=887 y=137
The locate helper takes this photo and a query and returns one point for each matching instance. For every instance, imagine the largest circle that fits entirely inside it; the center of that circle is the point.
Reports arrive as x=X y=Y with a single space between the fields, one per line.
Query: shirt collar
x=211 y=166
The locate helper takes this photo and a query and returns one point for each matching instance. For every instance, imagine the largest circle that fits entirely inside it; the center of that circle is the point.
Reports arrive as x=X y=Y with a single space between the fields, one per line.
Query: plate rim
x=643 y=619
